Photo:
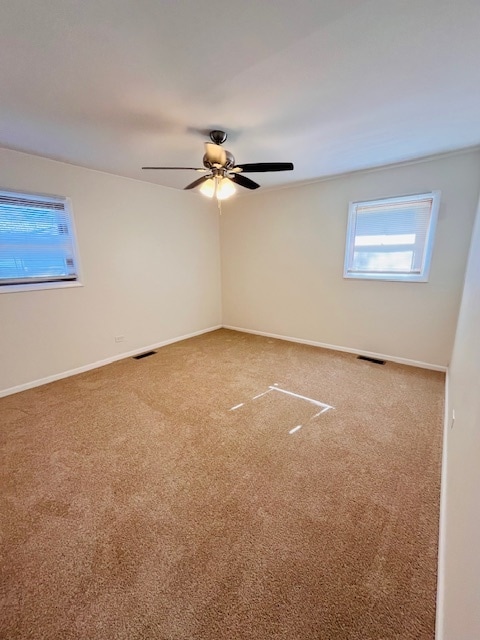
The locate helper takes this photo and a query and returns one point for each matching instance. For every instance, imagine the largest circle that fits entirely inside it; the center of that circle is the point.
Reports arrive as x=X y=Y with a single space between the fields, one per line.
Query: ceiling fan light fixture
x=208 y=188
x=225 y=189
x=221 y=188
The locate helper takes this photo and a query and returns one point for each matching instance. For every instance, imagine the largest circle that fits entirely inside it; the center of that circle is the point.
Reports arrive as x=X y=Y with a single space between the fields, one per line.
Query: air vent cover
x=374 y=360
x=144 y=355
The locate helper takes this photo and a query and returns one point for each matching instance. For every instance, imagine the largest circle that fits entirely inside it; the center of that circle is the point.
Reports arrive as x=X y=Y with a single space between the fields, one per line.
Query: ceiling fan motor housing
x=229 y=162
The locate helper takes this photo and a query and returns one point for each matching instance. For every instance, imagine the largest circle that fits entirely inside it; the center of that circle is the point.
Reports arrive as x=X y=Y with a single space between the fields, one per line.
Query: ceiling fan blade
x=195 y=183
x=243 y=181
x=260 y=167
x=215 y=154
x=190 y=168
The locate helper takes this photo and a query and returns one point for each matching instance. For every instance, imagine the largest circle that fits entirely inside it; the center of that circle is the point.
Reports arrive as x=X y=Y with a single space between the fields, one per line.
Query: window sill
x=38 y=286
x=402 y=277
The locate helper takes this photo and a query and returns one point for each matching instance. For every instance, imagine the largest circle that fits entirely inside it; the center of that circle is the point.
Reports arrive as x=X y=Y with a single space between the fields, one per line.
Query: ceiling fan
x=221 y=172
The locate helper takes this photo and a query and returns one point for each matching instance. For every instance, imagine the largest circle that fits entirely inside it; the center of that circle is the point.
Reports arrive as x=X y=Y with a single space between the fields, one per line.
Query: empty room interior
x=240 y=320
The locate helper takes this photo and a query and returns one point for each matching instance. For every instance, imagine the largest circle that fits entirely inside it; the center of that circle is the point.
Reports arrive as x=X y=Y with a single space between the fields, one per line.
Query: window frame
x=389 y=276
x=48 y=284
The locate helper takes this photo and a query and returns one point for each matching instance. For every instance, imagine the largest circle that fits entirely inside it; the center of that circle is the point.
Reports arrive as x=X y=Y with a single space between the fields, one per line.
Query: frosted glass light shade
x=225 y=189
x=222 y=188
x=208 y=188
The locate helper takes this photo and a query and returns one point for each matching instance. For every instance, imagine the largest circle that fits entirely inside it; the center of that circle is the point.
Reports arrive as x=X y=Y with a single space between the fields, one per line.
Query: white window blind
x=36 y=240
x=391 y=239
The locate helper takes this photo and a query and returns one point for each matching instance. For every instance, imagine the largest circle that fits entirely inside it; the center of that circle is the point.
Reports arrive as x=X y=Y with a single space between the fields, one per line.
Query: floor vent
x=374 y=360
x=144 y=355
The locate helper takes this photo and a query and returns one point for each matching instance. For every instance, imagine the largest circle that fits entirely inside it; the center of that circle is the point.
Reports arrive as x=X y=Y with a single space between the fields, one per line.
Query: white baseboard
x=157 y=345
x=101 y=363
x=439 y=617
x=334 y=347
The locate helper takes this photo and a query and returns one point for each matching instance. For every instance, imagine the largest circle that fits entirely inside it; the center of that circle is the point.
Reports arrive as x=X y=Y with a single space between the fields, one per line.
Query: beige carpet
x=137 y=504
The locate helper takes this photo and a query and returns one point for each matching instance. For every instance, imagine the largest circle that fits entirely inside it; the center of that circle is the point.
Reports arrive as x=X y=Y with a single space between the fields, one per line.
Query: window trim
x=52 y=284
x=423 y=275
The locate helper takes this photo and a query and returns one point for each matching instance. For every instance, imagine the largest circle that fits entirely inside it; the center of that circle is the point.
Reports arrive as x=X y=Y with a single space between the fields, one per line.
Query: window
x=391 y=239
x=37 y=244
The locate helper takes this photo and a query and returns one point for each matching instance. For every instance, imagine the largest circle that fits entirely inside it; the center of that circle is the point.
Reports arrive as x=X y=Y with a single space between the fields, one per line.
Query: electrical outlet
x=452 y=421
x=119 y=338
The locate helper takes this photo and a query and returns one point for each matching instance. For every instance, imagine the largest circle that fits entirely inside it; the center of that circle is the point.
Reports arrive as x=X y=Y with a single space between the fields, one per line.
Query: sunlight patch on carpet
x=294 y=396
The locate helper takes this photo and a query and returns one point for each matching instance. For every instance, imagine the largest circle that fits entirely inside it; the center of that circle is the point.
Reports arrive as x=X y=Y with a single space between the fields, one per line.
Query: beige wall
x=460 y=614
x=150 y=260
x=282 y=263
x=150 y=263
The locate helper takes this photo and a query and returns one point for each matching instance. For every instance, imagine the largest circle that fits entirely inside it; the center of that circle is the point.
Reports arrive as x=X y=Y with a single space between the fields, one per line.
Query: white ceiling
x=331 y=85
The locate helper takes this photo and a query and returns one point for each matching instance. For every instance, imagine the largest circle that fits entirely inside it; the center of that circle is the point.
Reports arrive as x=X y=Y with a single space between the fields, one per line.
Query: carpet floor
x=229 y=486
